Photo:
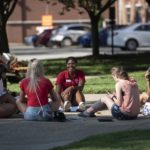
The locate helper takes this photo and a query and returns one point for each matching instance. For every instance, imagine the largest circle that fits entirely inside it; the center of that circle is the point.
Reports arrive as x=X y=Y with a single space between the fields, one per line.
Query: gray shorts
x=34 y=113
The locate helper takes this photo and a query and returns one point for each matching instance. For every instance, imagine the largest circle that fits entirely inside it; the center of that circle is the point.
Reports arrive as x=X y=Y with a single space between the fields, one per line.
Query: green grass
x=135 y=64
x=100 y=84
x=102 y=65
x=125 y=140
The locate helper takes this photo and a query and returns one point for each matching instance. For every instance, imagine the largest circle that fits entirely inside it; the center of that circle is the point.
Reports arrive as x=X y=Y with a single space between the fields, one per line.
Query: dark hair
x=71 y=58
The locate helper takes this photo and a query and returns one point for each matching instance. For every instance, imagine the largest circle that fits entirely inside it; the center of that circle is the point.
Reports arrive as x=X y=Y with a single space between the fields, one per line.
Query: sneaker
x=86 y=114
x=67 y=106
x=81 y=107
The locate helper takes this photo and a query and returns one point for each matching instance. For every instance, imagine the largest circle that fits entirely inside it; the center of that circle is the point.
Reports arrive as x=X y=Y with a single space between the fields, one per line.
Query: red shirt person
x=69 y=85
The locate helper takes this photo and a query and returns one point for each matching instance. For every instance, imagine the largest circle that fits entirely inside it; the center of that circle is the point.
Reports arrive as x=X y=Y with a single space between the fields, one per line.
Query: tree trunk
x=4 y=48
x=95 y=36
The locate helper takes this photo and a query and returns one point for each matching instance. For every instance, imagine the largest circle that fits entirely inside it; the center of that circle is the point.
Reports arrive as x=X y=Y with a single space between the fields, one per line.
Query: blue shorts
x=116 y=113
x=34 y=113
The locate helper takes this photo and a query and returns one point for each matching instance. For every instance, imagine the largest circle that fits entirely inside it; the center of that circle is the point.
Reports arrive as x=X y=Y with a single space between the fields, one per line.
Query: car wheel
x=131 y=45
x=66 y=42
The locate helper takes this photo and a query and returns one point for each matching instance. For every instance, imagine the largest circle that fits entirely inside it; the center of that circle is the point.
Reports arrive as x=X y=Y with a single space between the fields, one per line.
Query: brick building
x=27 y=15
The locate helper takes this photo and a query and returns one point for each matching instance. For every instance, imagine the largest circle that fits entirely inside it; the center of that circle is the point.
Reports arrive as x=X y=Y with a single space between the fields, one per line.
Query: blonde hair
x=119 y=72
x=34 y=72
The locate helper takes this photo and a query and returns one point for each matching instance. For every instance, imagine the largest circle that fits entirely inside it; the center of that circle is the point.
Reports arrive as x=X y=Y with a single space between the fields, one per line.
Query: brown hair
x=119 y=72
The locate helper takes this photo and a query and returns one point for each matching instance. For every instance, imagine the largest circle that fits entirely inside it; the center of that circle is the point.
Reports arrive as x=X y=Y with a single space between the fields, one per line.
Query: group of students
x=38 y=100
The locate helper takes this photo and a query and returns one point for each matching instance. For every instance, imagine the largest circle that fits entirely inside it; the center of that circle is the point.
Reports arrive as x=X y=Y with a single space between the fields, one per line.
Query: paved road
x=24 y=52
x=18 y=134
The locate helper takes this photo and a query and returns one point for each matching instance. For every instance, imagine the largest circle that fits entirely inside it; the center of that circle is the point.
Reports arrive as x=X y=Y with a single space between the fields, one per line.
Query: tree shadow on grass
x=126 y=140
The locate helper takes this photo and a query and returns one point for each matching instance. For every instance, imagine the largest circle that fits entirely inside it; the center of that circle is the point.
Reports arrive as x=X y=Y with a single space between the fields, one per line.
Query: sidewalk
x=16 y=133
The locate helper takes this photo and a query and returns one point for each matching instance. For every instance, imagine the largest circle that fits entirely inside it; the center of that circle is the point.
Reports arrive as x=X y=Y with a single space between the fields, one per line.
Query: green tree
x=94 y=8
x=6 y=9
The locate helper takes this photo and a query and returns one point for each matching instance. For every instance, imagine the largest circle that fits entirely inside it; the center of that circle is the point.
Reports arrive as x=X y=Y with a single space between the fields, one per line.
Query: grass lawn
x=135 y=64
x=126 y=140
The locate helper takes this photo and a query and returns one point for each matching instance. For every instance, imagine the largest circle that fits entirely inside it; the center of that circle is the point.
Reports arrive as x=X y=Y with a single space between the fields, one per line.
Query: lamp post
x=112 y=23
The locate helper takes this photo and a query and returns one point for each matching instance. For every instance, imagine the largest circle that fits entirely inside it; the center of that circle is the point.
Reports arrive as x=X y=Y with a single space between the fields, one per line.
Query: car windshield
x=59 y=29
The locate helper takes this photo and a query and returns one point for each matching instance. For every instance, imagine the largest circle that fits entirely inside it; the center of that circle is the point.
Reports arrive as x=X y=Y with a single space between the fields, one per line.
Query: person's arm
x=119 y=97
x=148 y=88
x=22 y=102
x=55 y=99
x=53 y=95
x=147 y=77
x=58 y=92
x=22 y=97
x=80 y=85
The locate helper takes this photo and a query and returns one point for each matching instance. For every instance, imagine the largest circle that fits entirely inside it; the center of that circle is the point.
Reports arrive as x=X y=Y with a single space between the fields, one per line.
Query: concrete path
x=18 y=134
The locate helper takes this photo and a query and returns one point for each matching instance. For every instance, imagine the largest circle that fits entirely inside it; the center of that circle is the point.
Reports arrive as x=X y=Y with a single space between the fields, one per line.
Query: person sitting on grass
x=124 y=104
x=145 y=96
x=7 y=101
x=69 y=86
x=35 y=90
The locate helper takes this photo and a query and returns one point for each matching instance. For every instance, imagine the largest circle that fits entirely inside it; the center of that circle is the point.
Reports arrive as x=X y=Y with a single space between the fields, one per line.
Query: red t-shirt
x=42 y=92
x=65 y=81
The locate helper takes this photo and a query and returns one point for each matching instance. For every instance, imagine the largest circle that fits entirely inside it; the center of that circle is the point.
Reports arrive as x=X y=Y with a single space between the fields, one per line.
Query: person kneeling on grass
x=124 y=104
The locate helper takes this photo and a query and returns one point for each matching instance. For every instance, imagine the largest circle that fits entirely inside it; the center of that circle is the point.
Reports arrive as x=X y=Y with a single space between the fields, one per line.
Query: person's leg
x=143 y=98
x=97 y=106
x=79 y=97
x=7 y=109
x=80 y=100
x=7 y=98
x=67 y=96
x=7 y=105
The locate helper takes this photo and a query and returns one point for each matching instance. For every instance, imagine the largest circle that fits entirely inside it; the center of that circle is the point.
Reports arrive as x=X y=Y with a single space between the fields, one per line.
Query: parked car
x=131 y=37
x=67 y=35
x=86 y=39
x=29 y=40
x=43 y=38
x=39 y=40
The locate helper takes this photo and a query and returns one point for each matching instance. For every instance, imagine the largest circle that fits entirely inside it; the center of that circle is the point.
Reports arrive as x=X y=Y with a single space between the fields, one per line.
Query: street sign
x=47 y=20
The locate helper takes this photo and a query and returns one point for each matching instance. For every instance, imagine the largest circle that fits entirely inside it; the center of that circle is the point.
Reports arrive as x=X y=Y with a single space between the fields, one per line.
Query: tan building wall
x=131 y=11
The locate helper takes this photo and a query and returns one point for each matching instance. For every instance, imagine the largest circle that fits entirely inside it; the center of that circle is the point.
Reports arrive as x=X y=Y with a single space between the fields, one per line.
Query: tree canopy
x=94 y=8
